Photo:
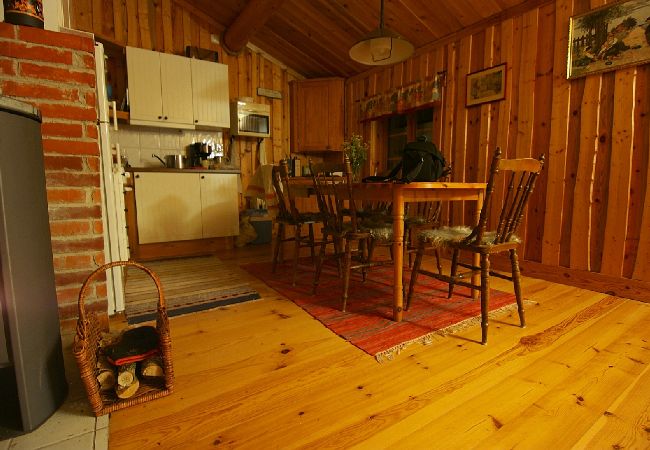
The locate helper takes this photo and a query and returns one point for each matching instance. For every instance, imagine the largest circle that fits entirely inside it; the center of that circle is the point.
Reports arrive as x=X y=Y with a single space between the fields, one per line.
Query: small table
x=399 y=194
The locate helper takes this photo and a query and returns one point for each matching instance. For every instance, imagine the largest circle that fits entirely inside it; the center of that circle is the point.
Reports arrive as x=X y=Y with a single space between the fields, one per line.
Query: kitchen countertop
x=191 y=170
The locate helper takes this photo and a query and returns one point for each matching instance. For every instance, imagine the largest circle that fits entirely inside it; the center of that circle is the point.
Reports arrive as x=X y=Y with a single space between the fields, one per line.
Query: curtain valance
x=401 y=100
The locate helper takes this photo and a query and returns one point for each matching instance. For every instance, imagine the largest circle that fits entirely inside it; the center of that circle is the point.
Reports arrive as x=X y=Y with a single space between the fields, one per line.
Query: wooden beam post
x=251 y=19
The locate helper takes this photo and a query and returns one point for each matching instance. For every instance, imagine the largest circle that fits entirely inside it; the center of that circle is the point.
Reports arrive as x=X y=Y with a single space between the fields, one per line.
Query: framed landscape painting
x=486 y=85
x=609 y=38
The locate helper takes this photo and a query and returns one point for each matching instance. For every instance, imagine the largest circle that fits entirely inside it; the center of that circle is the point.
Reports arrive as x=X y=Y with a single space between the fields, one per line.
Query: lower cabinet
x=185 y=206
x=219 y=205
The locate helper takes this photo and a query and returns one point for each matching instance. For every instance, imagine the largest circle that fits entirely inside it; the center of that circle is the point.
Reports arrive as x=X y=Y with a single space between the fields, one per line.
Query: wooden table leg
x=398 y=252
x=476 y=277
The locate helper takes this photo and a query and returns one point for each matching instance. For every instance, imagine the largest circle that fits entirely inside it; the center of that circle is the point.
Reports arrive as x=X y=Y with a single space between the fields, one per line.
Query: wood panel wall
x=169 y=26
x=588 y=222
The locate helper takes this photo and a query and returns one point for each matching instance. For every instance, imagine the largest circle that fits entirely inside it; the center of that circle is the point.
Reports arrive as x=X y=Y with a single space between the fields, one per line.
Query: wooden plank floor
x=264 y=374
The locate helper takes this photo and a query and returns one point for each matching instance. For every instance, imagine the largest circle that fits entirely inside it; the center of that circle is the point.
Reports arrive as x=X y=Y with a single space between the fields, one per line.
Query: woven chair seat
x=415 y=220
x=308 y=217
x=379 y=232
x=447 y=236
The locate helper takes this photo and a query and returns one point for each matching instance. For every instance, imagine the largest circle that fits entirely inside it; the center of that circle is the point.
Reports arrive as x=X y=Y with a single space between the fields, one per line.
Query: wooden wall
x=169 y=26
x=588 y=222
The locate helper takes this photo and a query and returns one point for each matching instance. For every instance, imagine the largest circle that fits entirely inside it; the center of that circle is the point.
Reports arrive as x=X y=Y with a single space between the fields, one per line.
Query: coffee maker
x=194 y=154
x=208 y=151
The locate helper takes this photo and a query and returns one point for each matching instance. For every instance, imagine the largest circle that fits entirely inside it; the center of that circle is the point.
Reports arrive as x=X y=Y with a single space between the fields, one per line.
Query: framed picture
x=609 y=38
x=486 y=85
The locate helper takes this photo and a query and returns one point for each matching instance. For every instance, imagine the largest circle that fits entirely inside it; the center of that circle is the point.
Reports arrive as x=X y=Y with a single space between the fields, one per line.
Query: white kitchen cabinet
x=210 y=94
x=168 y=206
x=220 y=204
x=160 y=89
x=183 y=206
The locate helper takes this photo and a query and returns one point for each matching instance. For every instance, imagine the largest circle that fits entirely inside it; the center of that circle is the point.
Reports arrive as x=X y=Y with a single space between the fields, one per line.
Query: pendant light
x=382 y=46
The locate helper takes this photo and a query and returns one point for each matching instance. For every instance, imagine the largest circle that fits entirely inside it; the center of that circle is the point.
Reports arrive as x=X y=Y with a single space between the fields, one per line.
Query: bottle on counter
x=296 y=167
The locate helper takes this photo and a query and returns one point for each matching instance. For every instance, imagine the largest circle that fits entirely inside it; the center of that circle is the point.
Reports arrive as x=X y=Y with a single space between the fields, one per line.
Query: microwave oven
x=250 y=119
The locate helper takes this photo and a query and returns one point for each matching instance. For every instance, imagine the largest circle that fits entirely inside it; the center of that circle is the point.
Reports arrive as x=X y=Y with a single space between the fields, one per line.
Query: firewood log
x=152 y=367
x=105 y=374
x=127 y=391
x=126 y=375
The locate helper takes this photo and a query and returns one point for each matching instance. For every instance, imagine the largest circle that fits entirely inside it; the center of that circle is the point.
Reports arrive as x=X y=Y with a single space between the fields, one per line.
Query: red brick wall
x=56 y=73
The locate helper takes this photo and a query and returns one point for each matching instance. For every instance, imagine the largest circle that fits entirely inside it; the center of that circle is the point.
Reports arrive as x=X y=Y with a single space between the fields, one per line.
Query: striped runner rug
x=368 y=323
x=189 y=285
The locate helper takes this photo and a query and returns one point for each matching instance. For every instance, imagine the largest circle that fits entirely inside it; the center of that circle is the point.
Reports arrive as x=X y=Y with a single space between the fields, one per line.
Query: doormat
x=189 y=285
x=368 y=323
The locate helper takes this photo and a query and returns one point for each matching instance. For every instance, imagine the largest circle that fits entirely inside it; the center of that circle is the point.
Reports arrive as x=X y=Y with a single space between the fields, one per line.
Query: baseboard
x=607 y=284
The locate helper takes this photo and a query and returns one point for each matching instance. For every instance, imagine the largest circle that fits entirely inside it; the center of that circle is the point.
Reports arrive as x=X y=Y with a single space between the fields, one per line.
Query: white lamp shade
x=381 y=47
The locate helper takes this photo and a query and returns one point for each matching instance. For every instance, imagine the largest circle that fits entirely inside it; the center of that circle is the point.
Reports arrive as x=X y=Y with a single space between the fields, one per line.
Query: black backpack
x=421 y=161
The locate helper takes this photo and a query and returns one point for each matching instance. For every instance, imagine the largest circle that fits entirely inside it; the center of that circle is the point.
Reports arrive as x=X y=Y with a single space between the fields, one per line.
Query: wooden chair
x=521 y=175
x=333 y=185
x=420 y=216
x=288 y=214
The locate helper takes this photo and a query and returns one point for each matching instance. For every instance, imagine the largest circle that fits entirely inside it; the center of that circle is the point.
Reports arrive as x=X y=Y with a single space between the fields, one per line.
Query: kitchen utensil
x=159 y=159
x=172 y=161
x=175 y=161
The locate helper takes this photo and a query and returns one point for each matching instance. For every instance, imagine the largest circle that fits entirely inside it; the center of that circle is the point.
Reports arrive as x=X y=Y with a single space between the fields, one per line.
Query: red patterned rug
x=368 y=322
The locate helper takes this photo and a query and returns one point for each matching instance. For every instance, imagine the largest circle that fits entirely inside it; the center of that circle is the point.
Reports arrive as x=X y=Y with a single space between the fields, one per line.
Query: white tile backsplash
x=126 y=137
x=170 y=141
x=132 y=156
x=139 y=143
x=148 y=160
x=150 y=139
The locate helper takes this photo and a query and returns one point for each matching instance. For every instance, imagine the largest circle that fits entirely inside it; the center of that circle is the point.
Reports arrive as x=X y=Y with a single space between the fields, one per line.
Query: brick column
x=56 y=73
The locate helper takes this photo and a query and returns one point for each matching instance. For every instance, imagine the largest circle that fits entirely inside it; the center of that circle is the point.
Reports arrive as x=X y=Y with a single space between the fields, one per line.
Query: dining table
x=400 y=194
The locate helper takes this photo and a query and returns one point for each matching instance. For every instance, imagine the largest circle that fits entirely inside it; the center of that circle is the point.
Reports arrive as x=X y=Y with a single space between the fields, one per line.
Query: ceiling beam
x=247 y=23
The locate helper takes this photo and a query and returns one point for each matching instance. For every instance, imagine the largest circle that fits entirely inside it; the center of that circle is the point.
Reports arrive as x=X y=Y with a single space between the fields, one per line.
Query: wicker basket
x=88 y=344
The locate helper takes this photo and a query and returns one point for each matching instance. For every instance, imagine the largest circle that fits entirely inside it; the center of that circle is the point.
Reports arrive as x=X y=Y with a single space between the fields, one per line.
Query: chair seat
x=380 y=233
x=416 y=220
x=309 y=217
x=447 y=236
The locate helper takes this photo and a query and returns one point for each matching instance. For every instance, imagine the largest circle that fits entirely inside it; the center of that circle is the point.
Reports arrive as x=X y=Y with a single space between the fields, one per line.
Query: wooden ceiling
x=313 y=37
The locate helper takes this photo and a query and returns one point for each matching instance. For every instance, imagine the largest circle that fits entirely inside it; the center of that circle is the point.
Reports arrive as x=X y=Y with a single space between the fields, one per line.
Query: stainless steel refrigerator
x=32 y=375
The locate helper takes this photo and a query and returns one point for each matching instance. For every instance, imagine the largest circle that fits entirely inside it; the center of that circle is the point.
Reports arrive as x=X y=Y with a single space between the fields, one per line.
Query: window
x=405 y=128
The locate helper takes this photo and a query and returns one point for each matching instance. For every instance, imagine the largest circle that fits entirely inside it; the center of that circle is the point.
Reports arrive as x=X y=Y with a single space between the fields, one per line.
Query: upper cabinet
x=210 y=94
x=160 y=89
x=173 y=91
x=317 y=115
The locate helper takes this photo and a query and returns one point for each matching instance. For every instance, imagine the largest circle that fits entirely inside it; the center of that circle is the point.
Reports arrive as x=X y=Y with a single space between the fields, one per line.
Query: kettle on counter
x=172 y=161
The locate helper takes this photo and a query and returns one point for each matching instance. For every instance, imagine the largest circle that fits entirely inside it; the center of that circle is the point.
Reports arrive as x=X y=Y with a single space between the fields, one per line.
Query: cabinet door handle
x=196 y=121
x=202 y=176
x=159 y=117
x=137 y=176
x=165 y=117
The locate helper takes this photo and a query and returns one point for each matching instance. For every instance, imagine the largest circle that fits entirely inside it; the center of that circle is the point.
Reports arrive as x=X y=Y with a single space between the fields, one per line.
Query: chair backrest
x=521 y=175
x=333 y=186
x=428 y=212
x=286 y=202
